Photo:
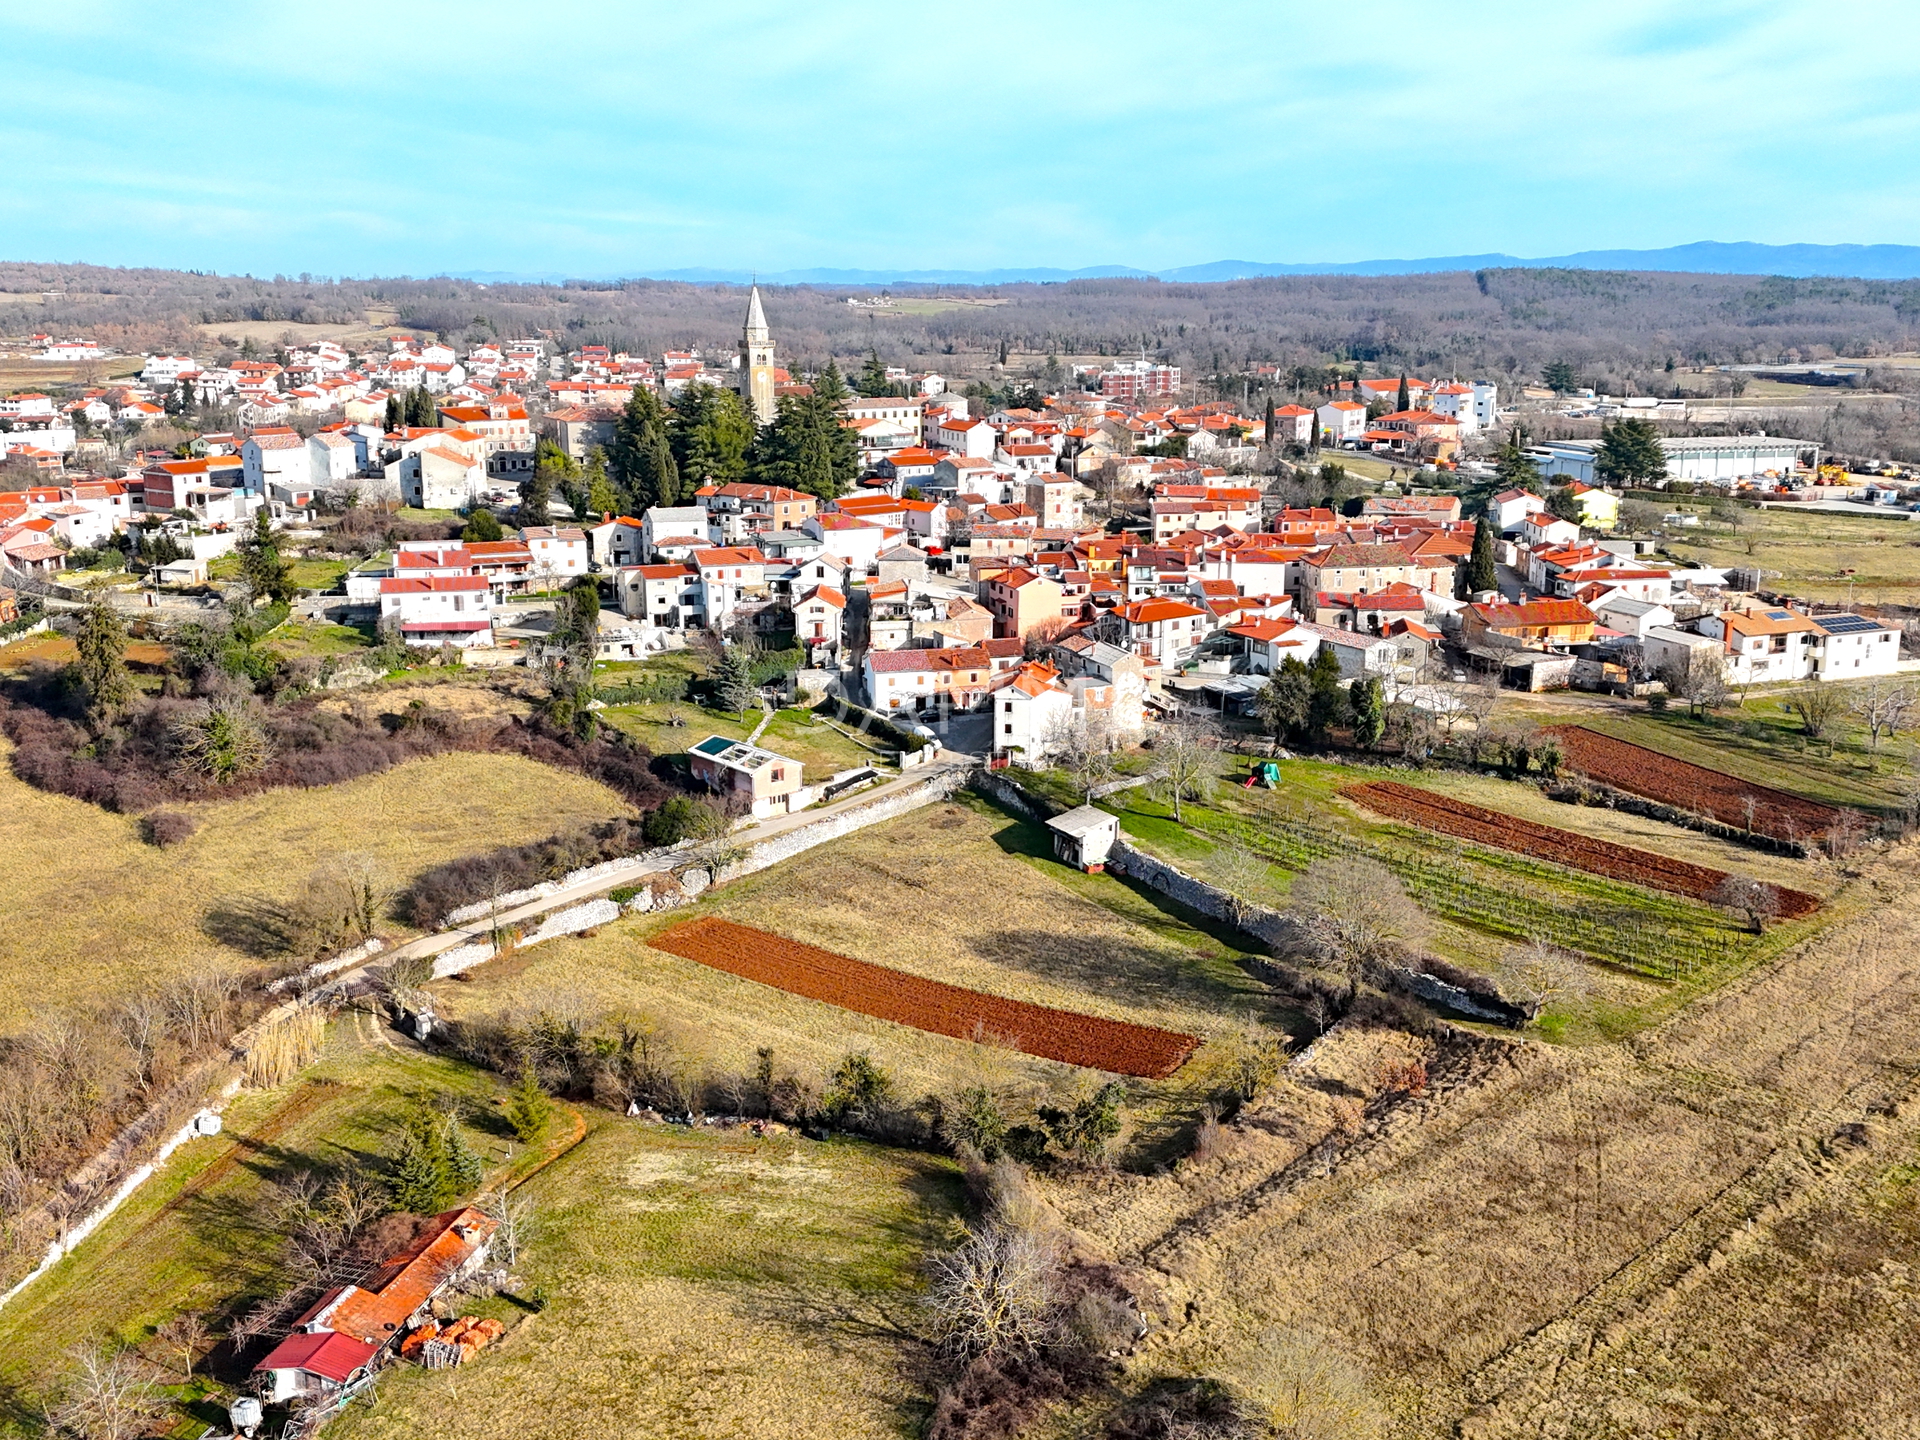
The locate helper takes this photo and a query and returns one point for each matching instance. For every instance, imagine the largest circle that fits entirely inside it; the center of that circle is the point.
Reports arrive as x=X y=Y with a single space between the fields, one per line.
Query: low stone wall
x=835 y=824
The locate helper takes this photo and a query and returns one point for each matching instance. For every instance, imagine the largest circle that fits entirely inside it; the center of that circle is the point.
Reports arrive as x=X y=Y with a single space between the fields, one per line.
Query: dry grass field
x=92 y=912
x=952 y=892
x=1707 y=1231
x=703 y=1284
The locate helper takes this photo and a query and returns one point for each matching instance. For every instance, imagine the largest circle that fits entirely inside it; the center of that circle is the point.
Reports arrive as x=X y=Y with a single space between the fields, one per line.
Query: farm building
x=340 y=1338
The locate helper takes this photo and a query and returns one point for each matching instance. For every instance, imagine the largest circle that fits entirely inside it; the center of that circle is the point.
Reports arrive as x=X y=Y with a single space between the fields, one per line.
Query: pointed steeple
x=756 y=361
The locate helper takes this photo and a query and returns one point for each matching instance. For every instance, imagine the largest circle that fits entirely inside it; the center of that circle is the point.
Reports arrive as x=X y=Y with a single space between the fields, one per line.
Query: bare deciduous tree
x=1085 y=747
x=1183 y=751
x=1536 y=975
x=996 y=1294
x=1819 y=706
x=1883 y=708
x=185 y=1335
x=1698 y=677
x=1357 y=911
x=109 y=1395
x=1243 y=874
x=518 y=1222
x=1744 y=895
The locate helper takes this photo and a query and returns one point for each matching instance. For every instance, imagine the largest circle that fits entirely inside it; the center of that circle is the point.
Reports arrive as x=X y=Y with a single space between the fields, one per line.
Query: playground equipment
x=1266 y=774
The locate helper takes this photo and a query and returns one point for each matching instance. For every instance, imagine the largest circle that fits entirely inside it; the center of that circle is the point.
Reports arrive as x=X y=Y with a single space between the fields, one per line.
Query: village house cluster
x=964 y=574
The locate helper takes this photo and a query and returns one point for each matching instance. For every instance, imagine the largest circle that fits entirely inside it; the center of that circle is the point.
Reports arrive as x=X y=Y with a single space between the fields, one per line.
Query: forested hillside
x=1614 y=327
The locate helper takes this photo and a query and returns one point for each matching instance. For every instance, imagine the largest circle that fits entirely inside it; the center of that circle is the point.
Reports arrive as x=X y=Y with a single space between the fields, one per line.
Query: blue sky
x=358 y=139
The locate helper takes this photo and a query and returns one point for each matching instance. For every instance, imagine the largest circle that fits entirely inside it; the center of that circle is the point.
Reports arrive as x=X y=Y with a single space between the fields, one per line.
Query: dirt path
x=1493 y=1252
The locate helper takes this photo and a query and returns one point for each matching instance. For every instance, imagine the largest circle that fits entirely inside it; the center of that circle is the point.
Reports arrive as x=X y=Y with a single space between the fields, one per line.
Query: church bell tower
x=756 y=361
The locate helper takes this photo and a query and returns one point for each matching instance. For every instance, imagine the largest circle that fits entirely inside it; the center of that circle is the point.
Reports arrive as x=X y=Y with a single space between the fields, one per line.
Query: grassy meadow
x=703 y=1283
x=92 y=912
x=1809 y=552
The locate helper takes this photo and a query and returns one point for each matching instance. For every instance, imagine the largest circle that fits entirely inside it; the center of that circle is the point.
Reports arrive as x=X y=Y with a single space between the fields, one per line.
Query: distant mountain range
x=1704 y=257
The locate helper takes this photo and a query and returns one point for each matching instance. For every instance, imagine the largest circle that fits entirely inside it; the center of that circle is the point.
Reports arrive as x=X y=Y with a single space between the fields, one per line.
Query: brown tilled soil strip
x=1562 y=847
x=1111 y=1045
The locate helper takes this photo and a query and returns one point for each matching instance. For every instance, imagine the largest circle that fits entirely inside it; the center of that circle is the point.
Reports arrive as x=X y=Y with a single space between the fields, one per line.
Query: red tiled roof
x=332 y=1356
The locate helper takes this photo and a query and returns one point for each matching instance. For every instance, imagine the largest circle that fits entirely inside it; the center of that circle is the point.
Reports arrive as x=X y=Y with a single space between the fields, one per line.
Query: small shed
x=182 y=572
x=1084 y=836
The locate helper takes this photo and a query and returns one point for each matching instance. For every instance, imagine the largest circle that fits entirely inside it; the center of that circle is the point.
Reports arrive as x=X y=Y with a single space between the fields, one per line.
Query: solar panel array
x=1845 y=624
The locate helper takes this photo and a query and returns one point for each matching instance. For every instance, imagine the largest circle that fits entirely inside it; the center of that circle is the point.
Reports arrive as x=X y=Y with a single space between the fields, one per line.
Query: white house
x=441 y=478
x=1764 y=646
x=662 y=595
x=1031 y=709
x=556 y=552
x=430 y=610
x=1510 y=507
x=671 y=532
x=1342 y=421
x=1852 y=647
x=1629 y=616
x=819 y=622
x=332 y=459
x=275 y=455
x=729 y=577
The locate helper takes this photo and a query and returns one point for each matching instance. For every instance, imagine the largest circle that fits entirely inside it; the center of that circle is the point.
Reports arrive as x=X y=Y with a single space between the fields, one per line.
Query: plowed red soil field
x=1641 y=771
x=1088 y=1040
x=1562 y=847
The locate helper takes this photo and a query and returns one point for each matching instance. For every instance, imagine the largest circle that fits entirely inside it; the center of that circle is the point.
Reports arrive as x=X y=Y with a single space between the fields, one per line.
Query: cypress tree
x=1400 y=400
x=1268 y=432
x=1480 y=572
x=1368 y=702
x=396 y=411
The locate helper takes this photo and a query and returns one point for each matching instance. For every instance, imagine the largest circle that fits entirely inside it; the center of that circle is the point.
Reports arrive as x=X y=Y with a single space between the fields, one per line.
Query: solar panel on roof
x=1846 y=624
x=1778 y=615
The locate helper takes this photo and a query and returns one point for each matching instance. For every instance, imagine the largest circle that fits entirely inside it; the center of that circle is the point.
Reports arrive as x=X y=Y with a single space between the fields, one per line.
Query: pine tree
x=597 y=493
x=873 y=376
x=710 y=433
x=528 y=1110
x=733 y=680
x=1513 y=468
x=423 y=1180
x=1481 y=572
x=262 y=566
x=829 y=385
x=807 y=448
x=641 y=454
x=464 y=1166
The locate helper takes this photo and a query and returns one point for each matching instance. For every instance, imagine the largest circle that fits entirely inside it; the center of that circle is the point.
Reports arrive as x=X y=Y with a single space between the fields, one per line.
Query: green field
x=196 y=1237
x=1807 y=552
x=1763 y=741
x=1653 y=949
x=319 y=574
x=798 y=734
